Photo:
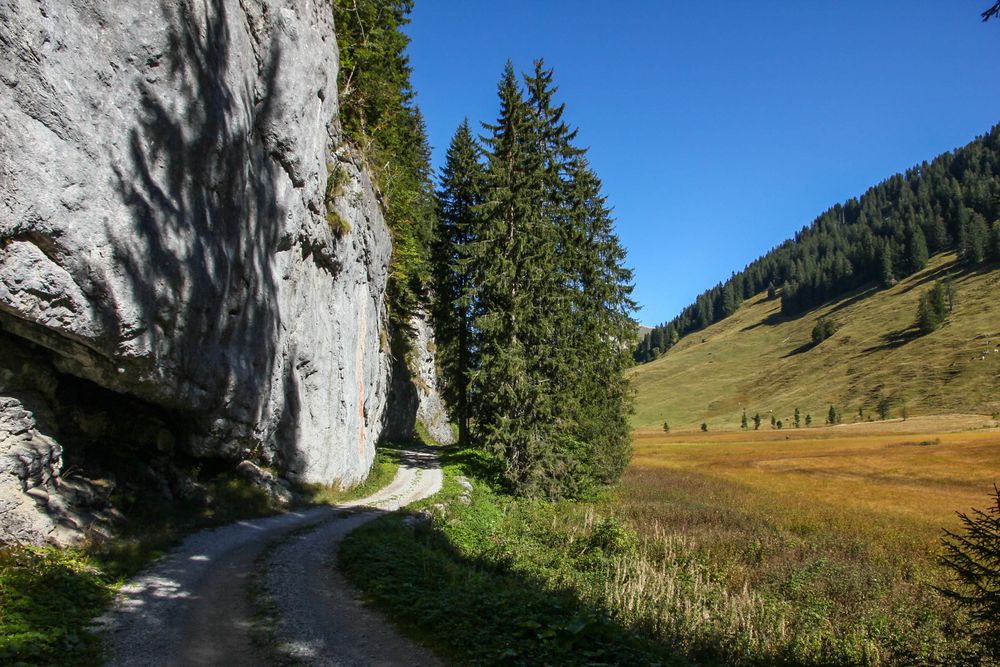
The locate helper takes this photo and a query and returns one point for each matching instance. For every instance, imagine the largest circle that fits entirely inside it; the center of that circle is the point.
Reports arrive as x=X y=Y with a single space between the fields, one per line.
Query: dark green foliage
x=551 y=305
x=744 y=423
x=832 y=416
x=378 y=113
x=932 y=309
x=974 y=559
x=756 y=422
x=824 y=329
x=917 y=246
x=774 y=421
x=798 y=418
x=459 y=200
x=666 y=426
x=809 y=420
x=886 y=276
x=995 y=241
x=884 y=235
x=779 y=425
x=975 y=239
x=704 y=427
x=884 y=407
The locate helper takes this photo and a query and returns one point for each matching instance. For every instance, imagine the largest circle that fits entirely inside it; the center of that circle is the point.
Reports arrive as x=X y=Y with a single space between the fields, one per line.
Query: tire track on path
x=192 y=607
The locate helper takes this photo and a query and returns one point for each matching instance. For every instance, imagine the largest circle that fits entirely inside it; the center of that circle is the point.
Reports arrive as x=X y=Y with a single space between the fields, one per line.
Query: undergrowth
x=513 y=581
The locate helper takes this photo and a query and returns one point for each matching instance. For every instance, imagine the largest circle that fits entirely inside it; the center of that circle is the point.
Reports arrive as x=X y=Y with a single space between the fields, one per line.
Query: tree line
x=515 y=256
x=950 y=203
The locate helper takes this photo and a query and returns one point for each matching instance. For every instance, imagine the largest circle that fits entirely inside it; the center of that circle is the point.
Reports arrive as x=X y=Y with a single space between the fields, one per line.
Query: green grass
x=498 y=581
x=49 y=596
x=683 y=564
x=757 y=360
x=384 y=469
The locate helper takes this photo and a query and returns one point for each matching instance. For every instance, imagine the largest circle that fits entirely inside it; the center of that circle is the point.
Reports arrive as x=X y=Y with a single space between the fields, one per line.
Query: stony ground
x=266 y=591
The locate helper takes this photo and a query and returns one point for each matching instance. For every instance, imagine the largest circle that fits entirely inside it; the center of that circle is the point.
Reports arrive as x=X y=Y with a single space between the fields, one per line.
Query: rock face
x=415 y=395
x=164 y=225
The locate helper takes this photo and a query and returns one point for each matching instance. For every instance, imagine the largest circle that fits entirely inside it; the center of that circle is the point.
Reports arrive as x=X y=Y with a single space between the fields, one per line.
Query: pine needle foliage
x=973 y=556
x=536 y=271
x=459 y=197
x=379 y=114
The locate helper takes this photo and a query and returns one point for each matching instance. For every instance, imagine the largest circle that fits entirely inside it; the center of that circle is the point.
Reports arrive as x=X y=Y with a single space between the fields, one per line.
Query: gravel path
x=193 y=607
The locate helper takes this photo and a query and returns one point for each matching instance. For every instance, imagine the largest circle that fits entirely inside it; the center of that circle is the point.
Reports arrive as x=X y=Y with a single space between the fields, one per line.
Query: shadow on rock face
x=206 y=220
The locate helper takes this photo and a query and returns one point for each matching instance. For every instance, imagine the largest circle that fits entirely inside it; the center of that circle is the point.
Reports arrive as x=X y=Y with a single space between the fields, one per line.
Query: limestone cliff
x=181 y=224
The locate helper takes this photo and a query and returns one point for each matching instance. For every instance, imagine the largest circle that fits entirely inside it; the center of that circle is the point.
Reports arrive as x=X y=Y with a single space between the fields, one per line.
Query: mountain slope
x=763 y=362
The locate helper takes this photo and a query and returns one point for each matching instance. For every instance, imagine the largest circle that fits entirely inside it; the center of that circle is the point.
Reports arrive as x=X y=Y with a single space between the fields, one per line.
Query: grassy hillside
x=758 y=360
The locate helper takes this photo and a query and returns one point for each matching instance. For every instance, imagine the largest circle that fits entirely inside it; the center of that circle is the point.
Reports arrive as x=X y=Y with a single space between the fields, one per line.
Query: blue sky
x=721 y=128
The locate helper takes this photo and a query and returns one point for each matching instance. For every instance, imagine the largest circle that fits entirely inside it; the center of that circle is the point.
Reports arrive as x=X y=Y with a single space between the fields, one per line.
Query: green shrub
x=824 y=329
x=47 y=598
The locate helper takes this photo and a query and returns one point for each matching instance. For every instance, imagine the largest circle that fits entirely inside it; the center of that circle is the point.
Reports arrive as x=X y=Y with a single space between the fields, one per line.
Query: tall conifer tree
x=459 y=199
x=509 y=262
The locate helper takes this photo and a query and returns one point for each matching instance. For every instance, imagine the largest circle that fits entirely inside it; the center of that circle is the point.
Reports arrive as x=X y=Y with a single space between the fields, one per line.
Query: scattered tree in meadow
x=949 y=293
x=832 y=416
x=884 y=407
x=774 y=421
x=780 y=425
x=809 y=420
x=666 y=426
x=798 y=418
x=916 y=245
x=704 y=427
x=973 y=556
x=756 y=422
x=887 y=276
x=744 y=422
x=824 y=329
x=932 y=310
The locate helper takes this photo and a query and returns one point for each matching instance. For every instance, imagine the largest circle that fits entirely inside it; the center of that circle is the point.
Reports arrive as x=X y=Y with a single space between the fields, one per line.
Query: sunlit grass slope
x=757 y=360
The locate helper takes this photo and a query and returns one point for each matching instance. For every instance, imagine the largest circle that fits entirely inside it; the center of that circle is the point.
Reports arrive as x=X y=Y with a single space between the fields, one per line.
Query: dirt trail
x=193 y=607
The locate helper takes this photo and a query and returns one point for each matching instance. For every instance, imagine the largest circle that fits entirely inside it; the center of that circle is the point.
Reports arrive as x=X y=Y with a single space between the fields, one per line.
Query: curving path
x=193 y=607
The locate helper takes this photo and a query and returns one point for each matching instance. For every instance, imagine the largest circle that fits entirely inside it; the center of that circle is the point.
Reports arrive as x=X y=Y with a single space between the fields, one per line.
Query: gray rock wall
x=163 y=224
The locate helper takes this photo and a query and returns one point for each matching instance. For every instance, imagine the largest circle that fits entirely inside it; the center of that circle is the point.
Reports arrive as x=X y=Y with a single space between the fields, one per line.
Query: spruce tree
x=508 y=263
x=459 y=202
x=553 y=304
x=886 y=275
x=917 y=246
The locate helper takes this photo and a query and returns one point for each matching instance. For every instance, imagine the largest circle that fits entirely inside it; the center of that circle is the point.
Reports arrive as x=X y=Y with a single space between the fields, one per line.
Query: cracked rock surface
x=163 y=222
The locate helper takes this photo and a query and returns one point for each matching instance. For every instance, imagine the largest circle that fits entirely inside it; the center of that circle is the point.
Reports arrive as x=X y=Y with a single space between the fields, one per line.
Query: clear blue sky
x=721 y=128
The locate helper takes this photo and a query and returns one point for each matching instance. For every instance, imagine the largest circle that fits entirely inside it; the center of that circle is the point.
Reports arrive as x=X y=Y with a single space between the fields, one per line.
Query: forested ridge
x=950 y=203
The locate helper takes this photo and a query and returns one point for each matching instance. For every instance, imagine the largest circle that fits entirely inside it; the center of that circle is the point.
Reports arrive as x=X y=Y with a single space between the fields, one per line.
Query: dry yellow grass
x=823 y=540
x=898 y=471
